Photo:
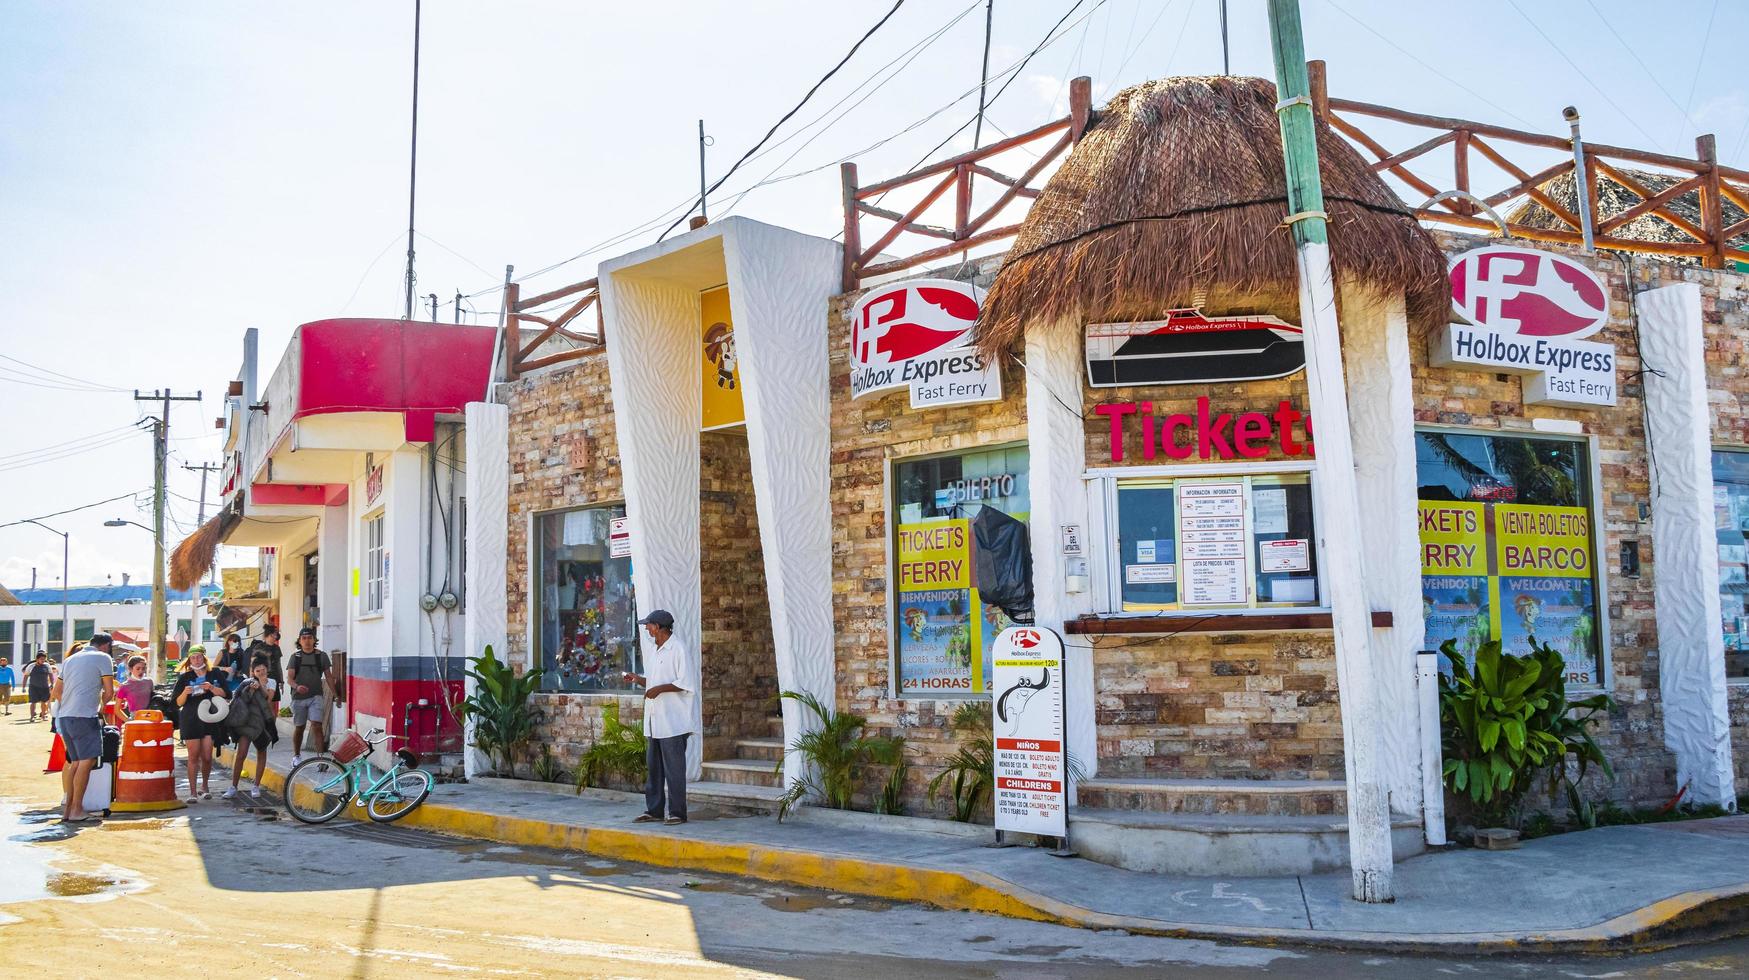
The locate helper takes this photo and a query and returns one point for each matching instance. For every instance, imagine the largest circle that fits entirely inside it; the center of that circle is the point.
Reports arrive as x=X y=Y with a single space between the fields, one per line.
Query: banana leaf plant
x=498 y=707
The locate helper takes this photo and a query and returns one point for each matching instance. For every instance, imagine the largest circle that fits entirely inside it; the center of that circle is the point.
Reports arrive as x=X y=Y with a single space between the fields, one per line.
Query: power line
x=71 y=510
x=1705 y=36
x=106 y=433
x=57 y=374
x=8 y=467
x=798 y=106
x=1635 y=55
x=1653 y=140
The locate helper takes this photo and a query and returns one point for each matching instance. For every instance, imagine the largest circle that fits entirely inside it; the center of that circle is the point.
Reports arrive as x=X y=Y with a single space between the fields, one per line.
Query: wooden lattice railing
x=519 y=355
x=1462 y=205
x=954 y=174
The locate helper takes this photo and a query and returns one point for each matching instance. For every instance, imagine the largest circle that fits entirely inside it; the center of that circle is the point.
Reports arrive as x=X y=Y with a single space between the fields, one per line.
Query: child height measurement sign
x=1027 y=685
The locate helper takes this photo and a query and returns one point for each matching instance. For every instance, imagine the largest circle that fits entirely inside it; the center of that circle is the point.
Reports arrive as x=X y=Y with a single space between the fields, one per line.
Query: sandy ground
x=218 y=890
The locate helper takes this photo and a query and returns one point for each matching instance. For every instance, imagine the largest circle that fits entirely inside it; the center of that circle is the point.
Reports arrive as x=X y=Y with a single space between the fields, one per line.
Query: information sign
x=1031 y=794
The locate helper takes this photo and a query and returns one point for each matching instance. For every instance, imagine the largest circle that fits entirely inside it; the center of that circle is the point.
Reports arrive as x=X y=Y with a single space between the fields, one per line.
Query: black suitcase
x=111 y=744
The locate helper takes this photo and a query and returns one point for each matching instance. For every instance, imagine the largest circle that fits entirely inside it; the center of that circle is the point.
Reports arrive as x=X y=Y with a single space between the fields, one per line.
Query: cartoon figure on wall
x=719 y=348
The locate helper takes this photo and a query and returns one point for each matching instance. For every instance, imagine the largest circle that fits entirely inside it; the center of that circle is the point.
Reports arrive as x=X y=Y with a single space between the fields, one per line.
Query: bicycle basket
x=350 y=748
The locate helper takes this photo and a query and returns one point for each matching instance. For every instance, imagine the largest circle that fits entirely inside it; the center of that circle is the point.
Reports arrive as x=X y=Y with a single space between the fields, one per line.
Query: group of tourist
x=233 y=699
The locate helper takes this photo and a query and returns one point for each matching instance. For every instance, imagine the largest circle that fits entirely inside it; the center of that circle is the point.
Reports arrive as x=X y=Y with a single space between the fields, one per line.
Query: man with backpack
x=305 y=673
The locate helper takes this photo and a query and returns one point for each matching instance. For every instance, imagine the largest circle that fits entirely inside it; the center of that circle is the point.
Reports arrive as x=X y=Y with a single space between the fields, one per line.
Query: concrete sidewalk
x=1600 y=890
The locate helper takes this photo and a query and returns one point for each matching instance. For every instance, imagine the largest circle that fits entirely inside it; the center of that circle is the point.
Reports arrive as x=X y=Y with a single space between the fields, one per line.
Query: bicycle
x=318 y=789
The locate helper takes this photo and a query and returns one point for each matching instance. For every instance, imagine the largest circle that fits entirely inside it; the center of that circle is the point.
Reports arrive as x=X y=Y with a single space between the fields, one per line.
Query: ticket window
x=1508 y=548
x=1214 y=543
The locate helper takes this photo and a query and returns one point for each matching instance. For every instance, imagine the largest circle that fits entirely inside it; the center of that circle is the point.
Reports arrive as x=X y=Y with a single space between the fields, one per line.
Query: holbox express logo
x=895 y=328
x=1528 y=292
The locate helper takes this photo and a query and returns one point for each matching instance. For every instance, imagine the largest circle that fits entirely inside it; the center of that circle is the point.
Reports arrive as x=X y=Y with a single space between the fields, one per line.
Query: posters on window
x=945 y=629
x=1518 y=573
x=1212 y=534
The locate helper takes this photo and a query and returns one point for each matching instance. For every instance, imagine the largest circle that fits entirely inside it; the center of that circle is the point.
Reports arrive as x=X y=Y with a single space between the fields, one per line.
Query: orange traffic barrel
x=146 y=773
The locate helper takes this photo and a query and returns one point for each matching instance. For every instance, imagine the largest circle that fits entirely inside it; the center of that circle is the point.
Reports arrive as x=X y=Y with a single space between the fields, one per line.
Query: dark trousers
x=665 y=758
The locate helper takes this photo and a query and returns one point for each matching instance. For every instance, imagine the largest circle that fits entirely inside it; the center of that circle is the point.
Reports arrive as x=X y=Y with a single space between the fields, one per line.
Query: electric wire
x=70 y=510
x=1653 y=140
x=1706 y=37
x=66 y=454
x=69 y=443
x=57 y=374
x=1637 y=60
x=798 y=107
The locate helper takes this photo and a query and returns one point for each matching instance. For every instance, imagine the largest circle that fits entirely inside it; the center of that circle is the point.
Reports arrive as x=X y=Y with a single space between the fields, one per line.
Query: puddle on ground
x=573 y=863
x=150 y=823
x=786 y=901
x=30 y=872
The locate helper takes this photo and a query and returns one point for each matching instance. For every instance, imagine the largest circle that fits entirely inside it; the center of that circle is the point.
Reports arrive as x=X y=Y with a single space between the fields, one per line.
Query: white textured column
x=487 y=586
x=333 y=578
x=1336 y=511
x=780 y=285
x=654 y=369
x=1381 y=408
x=1691 y=647
x=1057 y=460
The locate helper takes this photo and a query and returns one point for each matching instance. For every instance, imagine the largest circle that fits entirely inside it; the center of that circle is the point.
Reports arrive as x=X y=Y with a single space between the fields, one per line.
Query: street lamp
x=160 y=602
x=66 y=549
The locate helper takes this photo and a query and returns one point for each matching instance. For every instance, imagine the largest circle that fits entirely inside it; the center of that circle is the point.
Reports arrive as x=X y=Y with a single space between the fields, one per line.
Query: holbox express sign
x=917 y=335
x=1526 y=312
x=1027 y=685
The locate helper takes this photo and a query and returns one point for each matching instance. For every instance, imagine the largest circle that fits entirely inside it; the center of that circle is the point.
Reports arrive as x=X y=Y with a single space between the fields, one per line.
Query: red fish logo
x=892 y=325
x=1527 y=292
x=1026 y=639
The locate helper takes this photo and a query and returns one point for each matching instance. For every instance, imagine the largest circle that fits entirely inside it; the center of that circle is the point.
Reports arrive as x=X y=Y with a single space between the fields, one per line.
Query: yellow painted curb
x=1689 y=917
x=147 y=807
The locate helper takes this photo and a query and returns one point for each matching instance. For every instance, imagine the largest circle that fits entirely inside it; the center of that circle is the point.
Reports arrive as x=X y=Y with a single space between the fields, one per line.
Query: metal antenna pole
x=458 y=307
x=984 y=78
x=703 y=215
x=194 y=603
x=413 y=161
x=1226 y=65
x=433 y=299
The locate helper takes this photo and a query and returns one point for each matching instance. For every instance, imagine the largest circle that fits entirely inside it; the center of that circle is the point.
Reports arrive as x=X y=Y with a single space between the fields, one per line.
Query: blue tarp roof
x=82 y=594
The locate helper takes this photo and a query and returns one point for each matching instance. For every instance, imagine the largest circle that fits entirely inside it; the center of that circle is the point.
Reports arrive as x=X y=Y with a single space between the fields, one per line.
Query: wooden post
x=962 y=200
x=1336 y=509
x=1319 y=82
x=1080 y=105
x=1712 y=211
x=1460 y=165
x=852 y=229
x=512 y=331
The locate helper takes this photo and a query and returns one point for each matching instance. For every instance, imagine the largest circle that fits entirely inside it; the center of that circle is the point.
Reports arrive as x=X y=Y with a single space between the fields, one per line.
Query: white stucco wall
x=1691 y=654
x=1381 y=409
x=1057 y=461
x=488 y=486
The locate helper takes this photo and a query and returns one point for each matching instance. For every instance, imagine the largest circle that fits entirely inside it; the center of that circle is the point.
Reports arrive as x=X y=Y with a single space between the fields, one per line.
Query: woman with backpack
x=199 y=684
x=234 y=661
x=252 y=723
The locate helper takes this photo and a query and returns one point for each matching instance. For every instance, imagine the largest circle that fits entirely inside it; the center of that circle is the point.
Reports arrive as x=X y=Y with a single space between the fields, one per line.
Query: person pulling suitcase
x=84 y=688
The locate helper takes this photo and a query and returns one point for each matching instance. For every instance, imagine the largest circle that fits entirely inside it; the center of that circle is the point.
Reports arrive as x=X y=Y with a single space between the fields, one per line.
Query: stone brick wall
x=563 y=453
x=737 y=659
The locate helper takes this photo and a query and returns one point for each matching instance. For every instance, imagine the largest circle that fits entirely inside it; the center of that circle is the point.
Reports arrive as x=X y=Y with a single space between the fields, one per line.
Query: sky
x=172 y=174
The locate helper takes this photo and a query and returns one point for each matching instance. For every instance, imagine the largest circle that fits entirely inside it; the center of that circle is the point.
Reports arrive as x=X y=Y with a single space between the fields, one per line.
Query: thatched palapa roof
x=1179 y=190
x=7 y=598
x=1613 y=198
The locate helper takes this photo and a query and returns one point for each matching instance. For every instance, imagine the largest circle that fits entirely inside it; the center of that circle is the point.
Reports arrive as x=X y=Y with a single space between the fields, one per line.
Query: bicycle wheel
x=317 y=790
x=400 y=795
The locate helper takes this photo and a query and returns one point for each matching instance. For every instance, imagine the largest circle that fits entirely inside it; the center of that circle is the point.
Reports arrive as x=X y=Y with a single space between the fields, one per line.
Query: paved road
x=242 y=893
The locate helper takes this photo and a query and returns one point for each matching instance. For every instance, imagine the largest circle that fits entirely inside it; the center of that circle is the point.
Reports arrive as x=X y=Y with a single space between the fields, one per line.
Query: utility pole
x=1336 y=506
x=433 y=299
x=200 y=521
x=703 y=141
x=413 y=163
x=160 y=460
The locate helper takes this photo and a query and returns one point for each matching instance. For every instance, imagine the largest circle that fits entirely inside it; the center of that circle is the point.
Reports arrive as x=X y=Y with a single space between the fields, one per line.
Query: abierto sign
x=1527 y=311
x=1027 y=714
x=918 y=335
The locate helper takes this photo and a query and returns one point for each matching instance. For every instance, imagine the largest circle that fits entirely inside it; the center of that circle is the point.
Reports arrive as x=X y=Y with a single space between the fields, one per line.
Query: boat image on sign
x=1190 y=348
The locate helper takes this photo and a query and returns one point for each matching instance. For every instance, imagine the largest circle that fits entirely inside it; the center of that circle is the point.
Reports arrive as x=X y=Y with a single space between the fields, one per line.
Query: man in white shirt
x=670 y=682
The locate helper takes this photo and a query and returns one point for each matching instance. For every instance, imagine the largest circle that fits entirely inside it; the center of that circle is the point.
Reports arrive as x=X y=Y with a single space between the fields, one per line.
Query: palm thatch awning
x=1178 y=192
x=7 y=598
x=1614 y=198
x=194 y=555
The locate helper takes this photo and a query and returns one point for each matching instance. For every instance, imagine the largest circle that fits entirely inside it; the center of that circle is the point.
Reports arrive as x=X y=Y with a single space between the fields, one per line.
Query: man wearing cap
x=670 y=682
x=85 y=686
x=305 y=673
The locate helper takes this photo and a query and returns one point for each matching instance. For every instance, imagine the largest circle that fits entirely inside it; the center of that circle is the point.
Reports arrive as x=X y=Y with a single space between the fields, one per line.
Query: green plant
x=970 y=776
x=618 y=751
x=839 y=757
x=546 y=766
x=1507 y=722
x=892 y=796
x=498 y=707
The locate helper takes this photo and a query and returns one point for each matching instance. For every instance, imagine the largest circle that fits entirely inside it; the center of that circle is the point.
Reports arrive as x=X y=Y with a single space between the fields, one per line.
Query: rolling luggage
x=101 y=789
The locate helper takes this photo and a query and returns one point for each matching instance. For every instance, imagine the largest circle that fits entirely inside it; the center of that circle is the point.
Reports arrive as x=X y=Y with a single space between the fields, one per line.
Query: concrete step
x=1227 y=844
x=739 y=797
x=745 y=772
x=1257 y=797
x=774 y=726
x=766 y=749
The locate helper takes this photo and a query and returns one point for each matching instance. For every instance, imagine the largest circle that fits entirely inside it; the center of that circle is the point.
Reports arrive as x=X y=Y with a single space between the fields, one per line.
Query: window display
x=1731 y=519
x=1216 y=542
x=943 y=630
x=1507 y=550
x=588 y=632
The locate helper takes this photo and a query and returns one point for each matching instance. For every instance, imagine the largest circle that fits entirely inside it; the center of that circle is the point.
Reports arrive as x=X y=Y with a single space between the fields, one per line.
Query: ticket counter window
x=1209 y=544
x=1731 y=521
x=586 y=623
x=942 y=630
x=1507 y=546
